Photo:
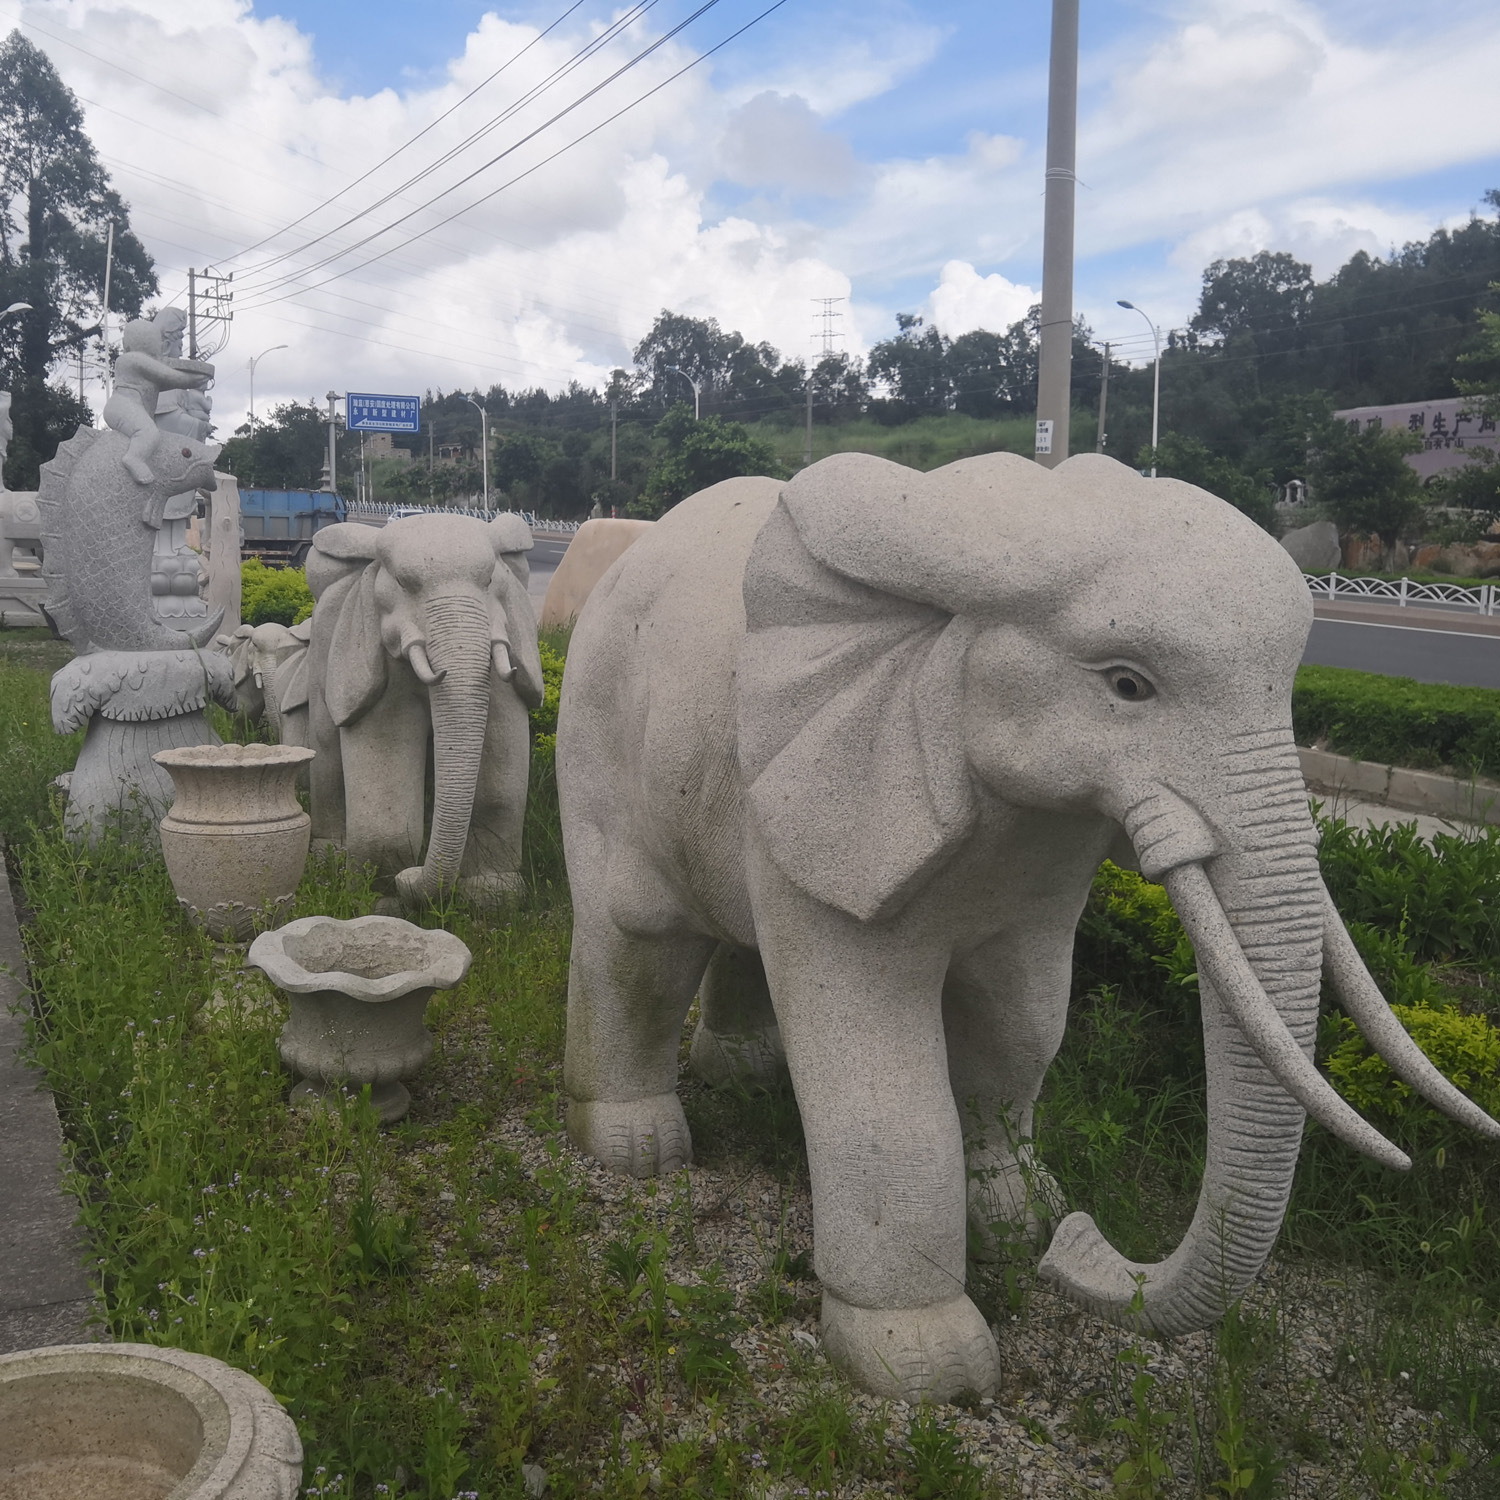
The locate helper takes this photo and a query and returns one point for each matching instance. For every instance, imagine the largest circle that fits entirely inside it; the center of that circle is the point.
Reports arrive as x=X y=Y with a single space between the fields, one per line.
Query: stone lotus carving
x=358 y=990
x=235 y=839
x=880 y=728
x=138 y=1420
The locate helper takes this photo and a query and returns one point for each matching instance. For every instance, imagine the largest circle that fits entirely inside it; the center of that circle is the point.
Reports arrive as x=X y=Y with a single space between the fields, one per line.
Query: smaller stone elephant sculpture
x=423 y=634
x=270 y=676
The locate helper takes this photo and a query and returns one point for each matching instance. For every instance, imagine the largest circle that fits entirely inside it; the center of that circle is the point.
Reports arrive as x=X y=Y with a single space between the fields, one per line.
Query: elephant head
x=258 y=653
x=995 y=636
x=445 y=598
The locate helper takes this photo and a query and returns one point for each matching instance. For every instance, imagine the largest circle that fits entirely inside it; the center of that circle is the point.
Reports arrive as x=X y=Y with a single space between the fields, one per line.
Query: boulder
x=1316 y=547
x=589 y=557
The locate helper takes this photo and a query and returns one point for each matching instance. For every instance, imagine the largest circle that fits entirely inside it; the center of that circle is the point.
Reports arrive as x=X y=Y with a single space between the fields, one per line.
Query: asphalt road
x=1406 y=651
x=544 y=557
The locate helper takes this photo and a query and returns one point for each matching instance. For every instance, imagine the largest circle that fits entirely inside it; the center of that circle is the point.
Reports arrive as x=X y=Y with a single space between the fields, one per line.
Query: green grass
x=442 y=1302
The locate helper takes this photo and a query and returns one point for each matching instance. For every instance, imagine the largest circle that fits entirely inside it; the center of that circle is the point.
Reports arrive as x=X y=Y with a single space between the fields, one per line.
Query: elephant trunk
x=457 y=658
x=1256 y=917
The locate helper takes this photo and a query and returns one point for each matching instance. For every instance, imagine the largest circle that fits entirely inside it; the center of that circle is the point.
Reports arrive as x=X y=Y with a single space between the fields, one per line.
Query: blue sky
x=886 y=152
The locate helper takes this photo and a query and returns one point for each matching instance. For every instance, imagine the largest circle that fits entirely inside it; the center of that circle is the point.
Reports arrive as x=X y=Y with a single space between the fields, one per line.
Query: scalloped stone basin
x=358 y=991
x=134 y=1422
x=235 y=839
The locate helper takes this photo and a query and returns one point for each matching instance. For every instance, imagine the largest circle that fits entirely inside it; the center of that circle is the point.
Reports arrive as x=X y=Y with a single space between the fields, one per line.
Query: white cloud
x=964 y=300
x=776 y=140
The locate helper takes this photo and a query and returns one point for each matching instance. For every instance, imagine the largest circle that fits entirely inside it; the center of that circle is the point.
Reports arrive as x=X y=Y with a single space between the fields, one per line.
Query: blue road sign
x=368 y=413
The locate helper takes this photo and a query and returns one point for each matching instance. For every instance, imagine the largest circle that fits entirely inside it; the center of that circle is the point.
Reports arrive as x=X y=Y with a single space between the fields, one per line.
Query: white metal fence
x=1404 y=591
x=390 y=512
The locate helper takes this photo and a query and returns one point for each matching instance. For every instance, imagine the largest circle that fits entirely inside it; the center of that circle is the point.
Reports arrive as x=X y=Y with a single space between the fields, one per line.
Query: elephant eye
x=1128 y=684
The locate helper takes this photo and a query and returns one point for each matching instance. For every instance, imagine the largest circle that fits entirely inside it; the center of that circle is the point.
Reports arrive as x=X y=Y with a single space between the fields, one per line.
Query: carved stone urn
x=136 y=1421
x=358 y=991
x=235 y=839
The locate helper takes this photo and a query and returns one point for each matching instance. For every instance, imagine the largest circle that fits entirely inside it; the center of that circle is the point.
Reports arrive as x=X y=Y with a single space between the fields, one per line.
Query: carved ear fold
x=356 y=659
x=520 y=622
x=509 y=533
x=348 y=541
x=850 y=733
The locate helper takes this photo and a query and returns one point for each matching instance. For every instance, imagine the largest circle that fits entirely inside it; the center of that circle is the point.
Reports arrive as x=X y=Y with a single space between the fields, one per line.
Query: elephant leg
x=737 y=1041
x=490 y=874
x=633 y=973
x=861 y=1020
x=1004 y=1009
x=325 y=772
x=385 y=767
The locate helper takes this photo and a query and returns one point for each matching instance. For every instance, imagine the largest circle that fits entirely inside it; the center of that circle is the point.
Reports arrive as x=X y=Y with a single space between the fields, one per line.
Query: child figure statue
x=141 y=374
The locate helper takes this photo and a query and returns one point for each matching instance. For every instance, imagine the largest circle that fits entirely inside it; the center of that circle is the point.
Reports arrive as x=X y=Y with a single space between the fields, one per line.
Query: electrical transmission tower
x=827 y=318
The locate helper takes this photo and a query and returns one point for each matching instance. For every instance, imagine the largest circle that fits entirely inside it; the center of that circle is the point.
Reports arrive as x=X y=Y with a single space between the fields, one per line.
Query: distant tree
x=56 y=206
x=1186 y=458
x=1360 y=478
x=1266 y=294
x=1479 y=366
x=913 y=369
x=840 y=390
x=701 y=453
x=289 y=451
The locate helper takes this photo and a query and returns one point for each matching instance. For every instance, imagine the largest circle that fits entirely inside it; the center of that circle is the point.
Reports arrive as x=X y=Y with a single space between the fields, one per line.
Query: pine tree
x=56 y=206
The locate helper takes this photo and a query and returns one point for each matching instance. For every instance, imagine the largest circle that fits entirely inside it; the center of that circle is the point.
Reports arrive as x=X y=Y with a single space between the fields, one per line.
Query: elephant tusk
x=1225 y=966
x=416 y=655
x=505 y=668
x=1383 y=1030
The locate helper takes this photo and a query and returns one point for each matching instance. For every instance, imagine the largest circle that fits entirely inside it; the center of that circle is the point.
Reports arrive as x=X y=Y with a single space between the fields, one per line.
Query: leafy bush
x=273 y=596
x=544 y=715
x=1396 y=720
x=31 y=754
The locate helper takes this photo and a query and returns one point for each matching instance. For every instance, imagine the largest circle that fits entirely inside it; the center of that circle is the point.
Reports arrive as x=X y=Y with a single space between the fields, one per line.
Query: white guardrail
x=391 y=512
x=1484 y=600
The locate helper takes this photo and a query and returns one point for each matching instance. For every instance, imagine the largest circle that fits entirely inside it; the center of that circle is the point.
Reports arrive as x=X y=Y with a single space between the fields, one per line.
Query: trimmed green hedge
x=1397 y=721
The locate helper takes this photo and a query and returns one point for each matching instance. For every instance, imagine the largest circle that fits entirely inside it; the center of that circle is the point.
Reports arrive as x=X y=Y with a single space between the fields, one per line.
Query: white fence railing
x=388 y=511
x=1403 y=591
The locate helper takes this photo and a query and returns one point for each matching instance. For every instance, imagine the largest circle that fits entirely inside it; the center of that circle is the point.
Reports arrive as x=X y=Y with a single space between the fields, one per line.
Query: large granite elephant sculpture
x=882 y=727
x=423 y=633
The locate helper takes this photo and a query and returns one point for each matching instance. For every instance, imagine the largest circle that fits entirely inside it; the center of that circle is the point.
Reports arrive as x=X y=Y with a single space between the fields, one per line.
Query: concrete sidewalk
x=44 y=1294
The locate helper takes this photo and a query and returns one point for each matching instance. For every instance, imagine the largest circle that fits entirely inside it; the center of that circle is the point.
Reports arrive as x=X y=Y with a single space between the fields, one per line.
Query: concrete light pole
x=1055 y=371
x=1156 y=382
x=255 y=360
x=330 y=472
x=678 y=370
x=484 y=443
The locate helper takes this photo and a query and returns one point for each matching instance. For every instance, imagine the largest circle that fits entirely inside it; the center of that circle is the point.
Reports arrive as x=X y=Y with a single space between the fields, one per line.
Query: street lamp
x=678 y=370
x=16 y=307
x=255 y=360
x=484 y=443
x=1156 y=384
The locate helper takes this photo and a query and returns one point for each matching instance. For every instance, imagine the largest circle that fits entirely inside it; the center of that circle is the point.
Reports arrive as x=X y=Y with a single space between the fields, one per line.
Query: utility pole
x=192 y=313
x=330 y=473
x=1103 y=400
x=1054 y=379
x=807 y=446
x=109 y=264
x=614 y=424
x=827 y=333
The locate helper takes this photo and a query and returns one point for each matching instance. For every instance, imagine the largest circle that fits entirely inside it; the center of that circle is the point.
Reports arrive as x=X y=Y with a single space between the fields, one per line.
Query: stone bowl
x=135 y=1422
x=358 y=990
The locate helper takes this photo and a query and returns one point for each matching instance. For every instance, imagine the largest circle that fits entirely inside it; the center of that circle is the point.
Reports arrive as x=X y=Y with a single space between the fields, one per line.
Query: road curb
x=44 y=1293
x=1459 y=799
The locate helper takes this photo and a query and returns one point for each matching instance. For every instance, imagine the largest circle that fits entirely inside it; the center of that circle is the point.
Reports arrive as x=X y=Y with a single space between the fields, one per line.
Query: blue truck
x=278 y=526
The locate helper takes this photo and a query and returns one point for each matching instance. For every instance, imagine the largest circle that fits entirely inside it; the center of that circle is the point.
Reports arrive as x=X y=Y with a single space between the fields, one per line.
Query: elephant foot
x=490 y=892
x=752 y=1061
x=636 y=1137
x=914 y=1354
x=1010 y=1195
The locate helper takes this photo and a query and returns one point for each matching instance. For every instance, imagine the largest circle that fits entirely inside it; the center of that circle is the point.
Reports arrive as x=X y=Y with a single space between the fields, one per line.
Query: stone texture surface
x=44 y=1294
x=235 y=839
x=270 y=682
x=358 y=991
x=590 y=555
x=1314 y=548
x=222 y=561
x=138 y=1422
x=424 y=628
x=21 y=587
x=800 y=720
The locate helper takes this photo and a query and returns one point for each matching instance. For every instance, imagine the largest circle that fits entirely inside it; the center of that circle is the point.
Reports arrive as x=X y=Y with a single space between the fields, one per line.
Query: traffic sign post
x=367 y=413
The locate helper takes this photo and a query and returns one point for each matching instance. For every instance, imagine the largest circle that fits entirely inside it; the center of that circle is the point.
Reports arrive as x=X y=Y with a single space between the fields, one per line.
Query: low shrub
x=273 y=596
x=1396 y=720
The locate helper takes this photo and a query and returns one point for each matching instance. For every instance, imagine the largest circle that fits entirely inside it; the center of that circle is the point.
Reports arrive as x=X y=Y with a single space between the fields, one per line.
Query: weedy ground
x=459 y=1304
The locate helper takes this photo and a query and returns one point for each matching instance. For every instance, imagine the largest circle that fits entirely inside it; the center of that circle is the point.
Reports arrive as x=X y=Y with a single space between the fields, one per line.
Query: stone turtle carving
x=881 y=727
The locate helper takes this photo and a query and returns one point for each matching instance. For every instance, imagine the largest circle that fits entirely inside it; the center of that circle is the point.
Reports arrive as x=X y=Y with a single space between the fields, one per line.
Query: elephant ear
x=520 y=622
x=511 y=538
x=850 y=727
x=356 y=660
x=291 y=681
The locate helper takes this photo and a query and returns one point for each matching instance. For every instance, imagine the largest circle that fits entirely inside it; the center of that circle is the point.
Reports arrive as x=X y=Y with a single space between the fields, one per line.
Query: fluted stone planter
x=134 y=1422
x=358 y=991
x=235 y=839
